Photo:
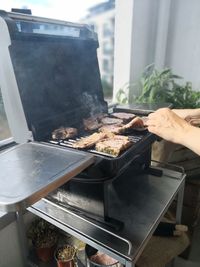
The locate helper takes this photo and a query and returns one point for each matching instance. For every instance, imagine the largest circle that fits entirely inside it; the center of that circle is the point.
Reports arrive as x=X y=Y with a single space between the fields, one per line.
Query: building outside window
x=103 y=17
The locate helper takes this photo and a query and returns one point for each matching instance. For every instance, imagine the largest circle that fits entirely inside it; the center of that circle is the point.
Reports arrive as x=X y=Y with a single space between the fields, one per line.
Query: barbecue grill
x=50 y=78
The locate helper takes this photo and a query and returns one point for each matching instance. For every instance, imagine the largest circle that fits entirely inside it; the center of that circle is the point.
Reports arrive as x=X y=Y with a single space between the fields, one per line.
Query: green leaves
x=156 y=85
x=161 y=87
x=185 y=97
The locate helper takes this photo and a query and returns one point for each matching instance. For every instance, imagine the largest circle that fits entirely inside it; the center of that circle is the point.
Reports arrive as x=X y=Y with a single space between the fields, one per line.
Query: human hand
x=168 y=125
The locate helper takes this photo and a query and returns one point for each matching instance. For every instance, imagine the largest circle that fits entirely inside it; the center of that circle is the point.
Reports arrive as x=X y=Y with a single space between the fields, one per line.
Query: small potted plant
x=66 y=256
x=44 y=237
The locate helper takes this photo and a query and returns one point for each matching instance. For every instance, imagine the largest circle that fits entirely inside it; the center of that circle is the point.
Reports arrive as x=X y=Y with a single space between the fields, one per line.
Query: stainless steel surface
x=32 y=18
x=180 y=203
x=6 y=219
x=31 y=171
x=23 y=243
x=138 y=200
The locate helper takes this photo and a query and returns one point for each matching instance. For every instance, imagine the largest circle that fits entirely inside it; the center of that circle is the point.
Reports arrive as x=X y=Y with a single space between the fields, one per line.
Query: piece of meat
x=123 y=116
x=114 y=145
x=109 y=120
x=91 y=124
x=112 y=128
x=94 y=122
x=144 y=120
x=100 y=116
x=64 y=133
x=103 y=259
x=89 y=141
x=135 y=123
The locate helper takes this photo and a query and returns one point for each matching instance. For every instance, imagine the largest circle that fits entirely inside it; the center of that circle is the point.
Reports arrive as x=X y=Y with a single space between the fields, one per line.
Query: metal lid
x=56 y=69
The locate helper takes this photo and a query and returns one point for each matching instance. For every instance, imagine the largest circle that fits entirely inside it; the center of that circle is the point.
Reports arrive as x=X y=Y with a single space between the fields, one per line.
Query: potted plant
x=66 y=256
x=160 y=86
x=44 y=237
x=163 y=87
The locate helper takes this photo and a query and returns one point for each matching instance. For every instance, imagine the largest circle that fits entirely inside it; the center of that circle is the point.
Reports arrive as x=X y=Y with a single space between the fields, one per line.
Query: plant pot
x=90 y=251
x=70 y=261
x=45 y=254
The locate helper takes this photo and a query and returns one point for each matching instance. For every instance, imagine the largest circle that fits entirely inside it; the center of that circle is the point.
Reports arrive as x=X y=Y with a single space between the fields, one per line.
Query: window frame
x=5 y=143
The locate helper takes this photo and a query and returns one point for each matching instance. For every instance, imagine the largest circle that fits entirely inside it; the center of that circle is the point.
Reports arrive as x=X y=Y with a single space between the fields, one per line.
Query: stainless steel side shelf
x=32 y=170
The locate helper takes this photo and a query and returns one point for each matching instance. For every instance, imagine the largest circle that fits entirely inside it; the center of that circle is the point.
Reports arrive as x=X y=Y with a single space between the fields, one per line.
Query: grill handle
x=170 y=167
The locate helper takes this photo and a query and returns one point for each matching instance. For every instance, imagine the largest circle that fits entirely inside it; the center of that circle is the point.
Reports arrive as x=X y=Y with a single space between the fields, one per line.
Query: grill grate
x=68 y=143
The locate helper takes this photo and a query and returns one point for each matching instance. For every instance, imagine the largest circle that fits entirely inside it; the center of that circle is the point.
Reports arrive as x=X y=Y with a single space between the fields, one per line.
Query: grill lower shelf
x=139 y=200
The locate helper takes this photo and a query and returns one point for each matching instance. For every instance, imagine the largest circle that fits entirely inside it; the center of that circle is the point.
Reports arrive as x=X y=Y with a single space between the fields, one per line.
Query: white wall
x=183 y=50
x=135 y=35
x=164 y=32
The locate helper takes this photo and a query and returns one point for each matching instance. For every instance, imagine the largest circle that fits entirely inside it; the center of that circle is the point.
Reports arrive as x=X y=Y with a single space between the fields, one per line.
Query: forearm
x=184 y=113
x=191 y=139
x=195 y=112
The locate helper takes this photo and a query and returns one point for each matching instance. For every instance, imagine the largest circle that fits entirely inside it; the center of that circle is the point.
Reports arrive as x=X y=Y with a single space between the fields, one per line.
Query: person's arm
x=168 y=125
x=192 y=139
x=184 y=113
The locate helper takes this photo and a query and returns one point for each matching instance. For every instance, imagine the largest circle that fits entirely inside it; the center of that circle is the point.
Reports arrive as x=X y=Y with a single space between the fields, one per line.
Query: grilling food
x=64 y=133
x=91 y=124
x=123 y=116
x=89 y=141
x=135 y=124
x=108 y=120
x=113 y=146
x=112 y=128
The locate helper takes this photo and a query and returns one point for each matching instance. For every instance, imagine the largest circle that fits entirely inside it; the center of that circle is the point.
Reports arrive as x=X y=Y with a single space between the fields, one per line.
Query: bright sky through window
x=69 y=10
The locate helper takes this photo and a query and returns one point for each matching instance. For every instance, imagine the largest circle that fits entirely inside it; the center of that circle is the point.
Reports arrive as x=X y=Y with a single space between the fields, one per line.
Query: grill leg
x=129 y=264
x=180 y=203
x=22 y=237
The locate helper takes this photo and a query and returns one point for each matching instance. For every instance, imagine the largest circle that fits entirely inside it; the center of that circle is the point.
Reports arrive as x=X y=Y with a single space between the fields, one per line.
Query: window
x=4 y=128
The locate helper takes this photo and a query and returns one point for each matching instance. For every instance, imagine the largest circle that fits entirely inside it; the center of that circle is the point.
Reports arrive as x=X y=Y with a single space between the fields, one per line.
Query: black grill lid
x=57 y=75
